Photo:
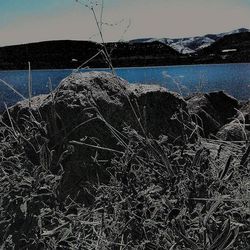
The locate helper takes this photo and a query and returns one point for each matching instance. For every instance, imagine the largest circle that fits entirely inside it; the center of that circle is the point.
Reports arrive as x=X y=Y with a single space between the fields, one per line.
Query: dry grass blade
x=226 y=168
x=79 y=126
x=197 y=157
x=87 y=61
x=222 y=239
x=55 y=230
x=236 y=234
x=163 y=157
x=188 y=241
x=103 y=43
x=211 y=211
x=30 y=84
x=10 y=119
x=9 y=86
x=245 y=156
x=95 y=147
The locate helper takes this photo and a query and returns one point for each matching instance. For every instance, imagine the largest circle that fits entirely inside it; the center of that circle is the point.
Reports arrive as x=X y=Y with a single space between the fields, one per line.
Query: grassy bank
x=157 y=195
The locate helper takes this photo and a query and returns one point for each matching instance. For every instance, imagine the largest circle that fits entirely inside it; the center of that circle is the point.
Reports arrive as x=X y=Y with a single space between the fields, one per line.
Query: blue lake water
x=232 y=78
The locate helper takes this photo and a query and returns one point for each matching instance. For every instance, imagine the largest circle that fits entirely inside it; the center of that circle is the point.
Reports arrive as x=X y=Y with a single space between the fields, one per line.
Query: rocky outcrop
x=157 y=108
x=89 y=116
x=90 y=110
x=81 y=96
x=239 y=128
x=211 y=111
x=233 y=131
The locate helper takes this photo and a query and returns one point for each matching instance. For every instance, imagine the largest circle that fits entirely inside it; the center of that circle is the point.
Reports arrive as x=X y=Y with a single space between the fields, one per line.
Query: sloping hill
x=143 y=54
x=231 y=48
x=70 y=54
x=46 y=55
x=63 y=54
x=188 y=45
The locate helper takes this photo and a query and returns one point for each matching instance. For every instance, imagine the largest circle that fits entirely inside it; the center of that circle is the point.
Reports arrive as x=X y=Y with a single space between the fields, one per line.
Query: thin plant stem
x=101 y=15
x=103 y=43
x=90 y=59
x=9 y=86
x=30 y=84
x=96 y=147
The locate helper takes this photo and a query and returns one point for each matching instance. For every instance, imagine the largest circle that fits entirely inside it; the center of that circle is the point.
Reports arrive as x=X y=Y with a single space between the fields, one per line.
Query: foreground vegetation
x=157 y=196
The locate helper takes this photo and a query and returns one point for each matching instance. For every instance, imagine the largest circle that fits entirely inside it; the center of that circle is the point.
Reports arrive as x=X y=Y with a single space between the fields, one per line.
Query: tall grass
x=158 y=195
x=99 y=23
x=30 y=84
x=13 y=89
x=194 y=201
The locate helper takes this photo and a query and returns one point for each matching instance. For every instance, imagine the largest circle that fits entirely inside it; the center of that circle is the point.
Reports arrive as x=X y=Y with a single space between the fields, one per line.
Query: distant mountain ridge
x=64 y=54
x=189 y=45
x=230 y=47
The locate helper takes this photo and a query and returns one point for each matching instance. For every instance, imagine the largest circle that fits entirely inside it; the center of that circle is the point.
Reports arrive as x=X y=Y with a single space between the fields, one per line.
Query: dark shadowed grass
x=158 y=196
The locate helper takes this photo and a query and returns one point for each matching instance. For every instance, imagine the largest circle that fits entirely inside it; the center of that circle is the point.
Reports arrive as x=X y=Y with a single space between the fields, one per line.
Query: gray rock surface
x=87 y=116
x=233 y=131
x=213 y=110
x=244 y=115
x=92 y=109
x=81 y=96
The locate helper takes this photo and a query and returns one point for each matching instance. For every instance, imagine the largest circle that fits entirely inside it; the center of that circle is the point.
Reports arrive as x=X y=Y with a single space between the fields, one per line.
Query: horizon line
x=115 y=41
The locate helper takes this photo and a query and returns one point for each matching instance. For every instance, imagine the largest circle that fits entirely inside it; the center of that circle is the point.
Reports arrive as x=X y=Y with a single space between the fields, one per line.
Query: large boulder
x=244 y=115
x=239 y=128
x=212 y=110
x=90 y=110
x=81 y=96
x=157 y=108
x=233 y=131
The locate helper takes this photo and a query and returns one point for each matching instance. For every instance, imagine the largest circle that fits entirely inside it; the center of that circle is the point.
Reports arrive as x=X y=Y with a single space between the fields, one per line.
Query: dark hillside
x=240 y=41
x=233 y=48
x=143 y=54
x=46 y=55
x=59 y=54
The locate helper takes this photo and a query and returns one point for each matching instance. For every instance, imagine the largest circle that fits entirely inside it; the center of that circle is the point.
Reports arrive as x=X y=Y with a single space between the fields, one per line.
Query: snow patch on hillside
x=189 y=45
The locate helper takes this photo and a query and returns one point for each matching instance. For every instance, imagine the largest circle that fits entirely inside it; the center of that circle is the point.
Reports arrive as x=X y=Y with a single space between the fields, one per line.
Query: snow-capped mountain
x=189 y=45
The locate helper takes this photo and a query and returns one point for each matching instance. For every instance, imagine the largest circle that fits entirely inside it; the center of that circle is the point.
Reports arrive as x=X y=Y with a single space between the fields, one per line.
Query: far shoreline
x=133 y=67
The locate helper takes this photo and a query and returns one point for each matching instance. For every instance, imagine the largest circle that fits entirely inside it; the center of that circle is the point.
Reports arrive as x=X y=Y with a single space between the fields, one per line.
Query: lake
x=232 y=78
